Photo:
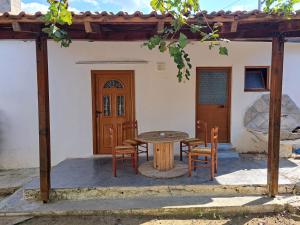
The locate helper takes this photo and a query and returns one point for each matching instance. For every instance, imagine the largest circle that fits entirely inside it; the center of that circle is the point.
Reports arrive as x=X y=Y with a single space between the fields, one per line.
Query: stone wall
x=256 y=122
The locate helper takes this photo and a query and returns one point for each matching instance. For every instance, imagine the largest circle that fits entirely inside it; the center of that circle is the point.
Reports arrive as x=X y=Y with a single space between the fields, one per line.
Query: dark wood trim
x=229 y=69
x=93 y=85
x=258 y=89
x=44 y=117
x=275 y=114
x=116 y=28
x=94 y=118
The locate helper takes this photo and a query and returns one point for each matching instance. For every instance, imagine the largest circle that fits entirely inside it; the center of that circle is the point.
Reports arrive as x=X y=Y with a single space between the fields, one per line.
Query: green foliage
x=285 y=7
x=57 y=16
x=175 y=41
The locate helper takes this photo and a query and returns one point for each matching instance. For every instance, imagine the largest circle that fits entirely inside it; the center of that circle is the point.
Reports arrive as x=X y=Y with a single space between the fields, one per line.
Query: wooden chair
x=121 y=153
x=130 y=133
x=187 y=144
x=210 y=154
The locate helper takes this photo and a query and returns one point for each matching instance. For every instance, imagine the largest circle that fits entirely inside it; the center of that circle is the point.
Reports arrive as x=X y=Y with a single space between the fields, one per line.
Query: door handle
x=98 y=113
x=222 y=106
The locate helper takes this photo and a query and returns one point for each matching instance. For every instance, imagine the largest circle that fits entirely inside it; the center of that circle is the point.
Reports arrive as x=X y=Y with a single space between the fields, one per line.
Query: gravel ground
x=98 y=220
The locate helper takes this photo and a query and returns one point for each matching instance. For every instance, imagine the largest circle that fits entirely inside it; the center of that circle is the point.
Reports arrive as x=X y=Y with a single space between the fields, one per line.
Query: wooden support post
x=275 y=114
x=44 y=117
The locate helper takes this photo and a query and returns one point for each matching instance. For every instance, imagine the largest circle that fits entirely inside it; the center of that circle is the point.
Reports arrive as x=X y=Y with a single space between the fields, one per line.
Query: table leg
x=163 y=156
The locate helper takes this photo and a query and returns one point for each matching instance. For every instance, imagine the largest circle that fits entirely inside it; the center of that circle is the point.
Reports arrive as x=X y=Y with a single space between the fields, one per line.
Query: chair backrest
x=129 y=130
x=214 y=139
x=202 y=126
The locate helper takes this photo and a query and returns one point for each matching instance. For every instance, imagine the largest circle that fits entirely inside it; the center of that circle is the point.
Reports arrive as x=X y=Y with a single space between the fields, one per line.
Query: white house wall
x=161 y=102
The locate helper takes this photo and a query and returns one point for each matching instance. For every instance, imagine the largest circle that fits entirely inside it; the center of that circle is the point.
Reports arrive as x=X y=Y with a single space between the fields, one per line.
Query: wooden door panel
x=105 y=141
x=114 y=102
x=213 y=100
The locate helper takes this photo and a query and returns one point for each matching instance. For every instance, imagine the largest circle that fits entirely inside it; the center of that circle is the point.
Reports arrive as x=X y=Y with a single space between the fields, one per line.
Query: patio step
x=175 y=206
x=156 y=191
x=227 y=151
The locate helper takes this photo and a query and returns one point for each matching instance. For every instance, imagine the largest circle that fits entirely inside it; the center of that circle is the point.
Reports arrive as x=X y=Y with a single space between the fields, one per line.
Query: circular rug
x=179 y=170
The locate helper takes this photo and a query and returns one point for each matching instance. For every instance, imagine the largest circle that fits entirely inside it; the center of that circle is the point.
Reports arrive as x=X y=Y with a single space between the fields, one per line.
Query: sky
x=130 y=6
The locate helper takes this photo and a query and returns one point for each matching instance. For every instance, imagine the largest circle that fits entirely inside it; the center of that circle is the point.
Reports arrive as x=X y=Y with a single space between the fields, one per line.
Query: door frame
x=212 y=68
x=93 y=88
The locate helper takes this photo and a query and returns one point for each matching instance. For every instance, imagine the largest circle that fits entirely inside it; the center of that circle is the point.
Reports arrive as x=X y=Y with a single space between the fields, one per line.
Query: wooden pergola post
x=275 y=113
x=44 y=117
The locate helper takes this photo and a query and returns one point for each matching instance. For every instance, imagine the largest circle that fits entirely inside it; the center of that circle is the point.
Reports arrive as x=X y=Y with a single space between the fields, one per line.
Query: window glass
x=113 y=84
x=120 y=105
x=256 y=79
x=213 y=87
x=106 y=105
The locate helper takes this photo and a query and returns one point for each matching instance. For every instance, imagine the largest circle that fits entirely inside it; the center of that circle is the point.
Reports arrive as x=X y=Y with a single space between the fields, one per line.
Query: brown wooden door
x=213 y=100
x=113 y=105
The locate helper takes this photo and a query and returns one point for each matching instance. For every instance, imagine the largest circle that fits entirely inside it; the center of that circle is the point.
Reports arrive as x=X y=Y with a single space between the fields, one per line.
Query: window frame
x=267 y=88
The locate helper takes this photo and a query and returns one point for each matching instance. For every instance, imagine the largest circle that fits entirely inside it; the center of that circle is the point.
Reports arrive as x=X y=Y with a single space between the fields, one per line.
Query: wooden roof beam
x=110 y=19
x=91 y=28
x=16 y=27
x=287 y=26
x=234 y=26
x=5 y=35
x=88 y=27
x=160 y=27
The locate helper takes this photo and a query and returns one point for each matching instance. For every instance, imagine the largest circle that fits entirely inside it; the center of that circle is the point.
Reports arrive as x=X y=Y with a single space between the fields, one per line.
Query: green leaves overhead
x=285 y=7
x=182 y=41
x=175 y=40
x=223 y=51
x=57 y=16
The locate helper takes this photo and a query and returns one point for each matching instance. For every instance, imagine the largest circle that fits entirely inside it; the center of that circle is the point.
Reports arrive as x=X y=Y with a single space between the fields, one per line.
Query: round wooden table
x=163 y=147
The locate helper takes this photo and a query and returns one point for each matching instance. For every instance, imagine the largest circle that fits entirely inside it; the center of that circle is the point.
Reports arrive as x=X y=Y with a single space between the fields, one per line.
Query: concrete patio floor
x=91 y=178
x=97 y=172
x=11 y=180
x=92 y=173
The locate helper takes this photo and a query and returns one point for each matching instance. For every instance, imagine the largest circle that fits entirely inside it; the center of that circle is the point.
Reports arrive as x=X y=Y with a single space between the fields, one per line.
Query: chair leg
x=216 y=164
x=132 y=161
x=190 y=165
x=137 y=153
x=147 y=149
x=212 y=168
x=180 y=151
x=136 y=162
x=114 y=166
x=206 y=159
x=197 y=157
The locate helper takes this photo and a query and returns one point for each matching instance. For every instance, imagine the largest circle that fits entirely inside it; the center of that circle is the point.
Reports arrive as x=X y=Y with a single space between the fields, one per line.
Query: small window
x=257 y=79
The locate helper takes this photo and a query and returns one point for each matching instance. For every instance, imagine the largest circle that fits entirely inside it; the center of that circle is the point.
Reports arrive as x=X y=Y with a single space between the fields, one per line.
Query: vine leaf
x=57 y=16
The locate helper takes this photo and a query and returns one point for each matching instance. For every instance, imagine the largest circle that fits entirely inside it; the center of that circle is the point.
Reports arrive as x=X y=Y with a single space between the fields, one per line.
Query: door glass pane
x=113 y=84
x=212 y=87
x=120 y=105
x=106 y=105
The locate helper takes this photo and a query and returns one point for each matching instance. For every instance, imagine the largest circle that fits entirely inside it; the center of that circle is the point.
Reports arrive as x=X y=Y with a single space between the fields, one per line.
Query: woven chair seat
x=133 y=142
x=190 y=139
x=193 y=141
x=205 y=151
x=125 y=149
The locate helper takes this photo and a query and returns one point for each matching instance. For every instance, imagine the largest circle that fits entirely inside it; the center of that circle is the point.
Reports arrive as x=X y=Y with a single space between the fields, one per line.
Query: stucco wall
x=161 y=102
